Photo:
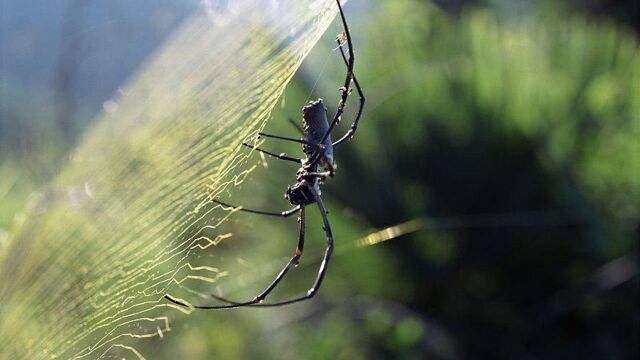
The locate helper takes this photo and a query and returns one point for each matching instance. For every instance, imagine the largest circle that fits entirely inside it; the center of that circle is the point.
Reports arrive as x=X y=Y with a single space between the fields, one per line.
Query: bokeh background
x=505 y=131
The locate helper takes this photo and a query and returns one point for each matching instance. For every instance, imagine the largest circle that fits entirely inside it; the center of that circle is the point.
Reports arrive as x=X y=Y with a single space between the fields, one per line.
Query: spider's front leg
x=313 y=290
x=258 y=299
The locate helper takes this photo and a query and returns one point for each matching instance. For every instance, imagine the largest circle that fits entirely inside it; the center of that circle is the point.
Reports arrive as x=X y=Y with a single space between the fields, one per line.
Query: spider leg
x=345 y=91
x=282 y=156
x=320 y=175
x=348 y=78
x=256 y=301
x=299 y=141
x=323 y=266
x=354 y=125
x=292 y=262
x=285 y=213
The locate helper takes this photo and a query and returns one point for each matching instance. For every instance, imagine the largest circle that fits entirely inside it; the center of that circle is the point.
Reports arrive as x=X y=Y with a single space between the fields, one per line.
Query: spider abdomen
x=316 y=126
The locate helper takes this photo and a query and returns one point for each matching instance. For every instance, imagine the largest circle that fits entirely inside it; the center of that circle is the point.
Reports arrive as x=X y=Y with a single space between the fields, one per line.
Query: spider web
x=86 y=271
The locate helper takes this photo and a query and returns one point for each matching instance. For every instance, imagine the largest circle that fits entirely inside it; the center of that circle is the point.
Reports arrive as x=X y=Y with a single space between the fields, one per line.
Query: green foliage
x=534 y=120
x=517 y=138
x=514 y=140
x=567 y=84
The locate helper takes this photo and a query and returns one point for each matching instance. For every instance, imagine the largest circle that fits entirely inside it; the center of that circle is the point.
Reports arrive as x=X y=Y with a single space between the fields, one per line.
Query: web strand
x=130 y=214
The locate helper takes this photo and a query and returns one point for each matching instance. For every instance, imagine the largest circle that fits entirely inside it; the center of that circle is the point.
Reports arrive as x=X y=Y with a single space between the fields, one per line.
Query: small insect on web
x=316 y=167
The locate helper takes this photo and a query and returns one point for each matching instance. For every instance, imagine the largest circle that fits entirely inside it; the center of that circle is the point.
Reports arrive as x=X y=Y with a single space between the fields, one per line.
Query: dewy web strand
x=85 y=273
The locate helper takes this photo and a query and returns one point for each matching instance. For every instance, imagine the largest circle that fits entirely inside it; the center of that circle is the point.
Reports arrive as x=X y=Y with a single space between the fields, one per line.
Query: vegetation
x=512 y=136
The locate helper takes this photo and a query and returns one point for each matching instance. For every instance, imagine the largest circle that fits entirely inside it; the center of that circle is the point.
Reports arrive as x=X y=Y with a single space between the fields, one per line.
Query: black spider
x=318 y=149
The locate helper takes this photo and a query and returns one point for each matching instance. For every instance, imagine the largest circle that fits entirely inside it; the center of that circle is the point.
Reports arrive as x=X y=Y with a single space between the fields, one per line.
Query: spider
x=318 y=149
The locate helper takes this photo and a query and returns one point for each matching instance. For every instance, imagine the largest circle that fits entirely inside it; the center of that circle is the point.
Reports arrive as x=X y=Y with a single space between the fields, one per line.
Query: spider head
x=299 y=194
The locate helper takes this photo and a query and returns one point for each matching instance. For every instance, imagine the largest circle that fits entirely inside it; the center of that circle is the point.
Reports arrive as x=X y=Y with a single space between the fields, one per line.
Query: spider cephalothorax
x=318 y=149
x=308 y=181
x=300 y=194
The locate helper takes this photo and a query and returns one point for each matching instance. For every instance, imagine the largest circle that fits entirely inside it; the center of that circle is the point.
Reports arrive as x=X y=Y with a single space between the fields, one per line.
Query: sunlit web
x=85 y=274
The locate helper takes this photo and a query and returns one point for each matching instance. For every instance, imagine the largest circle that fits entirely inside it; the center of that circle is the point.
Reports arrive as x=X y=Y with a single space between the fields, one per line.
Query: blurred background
x=505 y=133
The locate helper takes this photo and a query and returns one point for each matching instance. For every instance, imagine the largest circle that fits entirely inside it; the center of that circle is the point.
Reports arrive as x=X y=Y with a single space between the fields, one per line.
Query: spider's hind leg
x=299 y=141
x=345 y=89
x=284 y=156
x=281 y=156
x=354 y=125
